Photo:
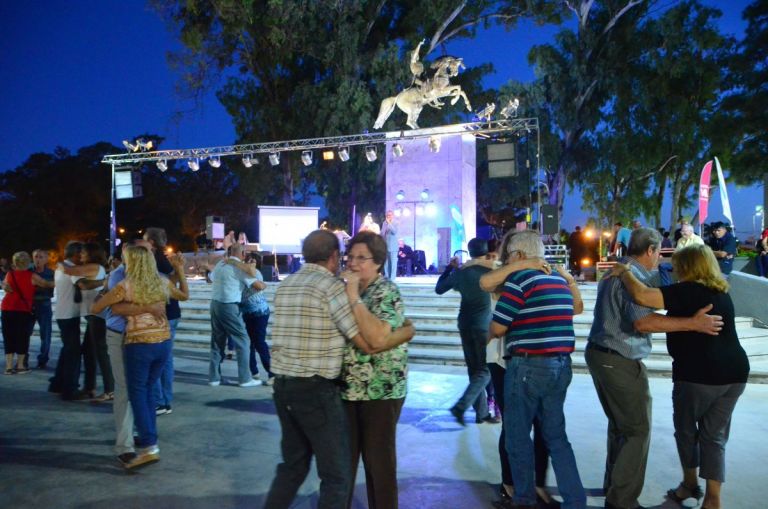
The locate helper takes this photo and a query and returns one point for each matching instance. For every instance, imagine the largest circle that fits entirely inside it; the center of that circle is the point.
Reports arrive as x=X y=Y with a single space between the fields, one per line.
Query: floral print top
x=381 y=375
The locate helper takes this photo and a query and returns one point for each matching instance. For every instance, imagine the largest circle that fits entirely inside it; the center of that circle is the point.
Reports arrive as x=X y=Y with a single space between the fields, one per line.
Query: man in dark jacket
x=474 y=317
x=723 y=244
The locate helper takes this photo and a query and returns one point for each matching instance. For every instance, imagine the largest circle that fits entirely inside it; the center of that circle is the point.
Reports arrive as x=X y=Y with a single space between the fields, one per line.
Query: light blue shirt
x=115 y=322
x=228 y=282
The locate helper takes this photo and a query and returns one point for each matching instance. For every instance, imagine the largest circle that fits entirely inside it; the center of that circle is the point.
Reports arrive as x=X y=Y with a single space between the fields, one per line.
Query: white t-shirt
x=89 y=296
x=66 y=307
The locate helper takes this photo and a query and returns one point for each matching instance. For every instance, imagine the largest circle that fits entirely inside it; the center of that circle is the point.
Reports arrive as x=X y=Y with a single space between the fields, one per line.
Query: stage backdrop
x=445 y=221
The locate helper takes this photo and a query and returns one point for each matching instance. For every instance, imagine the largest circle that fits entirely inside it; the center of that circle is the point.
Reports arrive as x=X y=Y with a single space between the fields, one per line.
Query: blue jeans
x=473 y=341
x=226 y=320
x=536 y=387
x=390 y=265
x=163 y=389
x=143 y=364
x=66 y=380
x=256 y=325
x=762 y=265
x=313 y=422
x=44 y=319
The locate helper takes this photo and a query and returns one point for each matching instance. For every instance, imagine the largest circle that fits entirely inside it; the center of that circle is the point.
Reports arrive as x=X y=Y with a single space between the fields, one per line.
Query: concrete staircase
x=437 y=339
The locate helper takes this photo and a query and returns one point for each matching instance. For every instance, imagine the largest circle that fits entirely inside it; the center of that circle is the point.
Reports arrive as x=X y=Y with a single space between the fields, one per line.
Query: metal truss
x=484 y=129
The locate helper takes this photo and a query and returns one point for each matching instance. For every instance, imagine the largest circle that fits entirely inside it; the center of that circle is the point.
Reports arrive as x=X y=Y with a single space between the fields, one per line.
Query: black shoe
x=126 y=458
x=490 y=419
x=543 y=504
x=458 y=415
x=41 y=365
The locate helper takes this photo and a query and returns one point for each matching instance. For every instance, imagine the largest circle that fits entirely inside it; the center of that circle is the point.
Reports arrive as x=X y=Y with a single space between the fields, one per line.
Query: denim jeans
x=143 y=364
x=226 y=320
x=121 y=407
x=66 y=380
x=762 y=265
x=256 y=325
x=163 y=389
x=44 y=319
x=536 y=387
x=473 y=342
x=313 y=422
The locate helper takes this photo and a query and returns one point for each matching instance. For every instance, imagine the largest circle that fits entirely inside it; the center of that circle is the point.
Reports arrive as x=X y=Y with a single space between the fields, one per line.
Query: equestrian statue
x=425 y=90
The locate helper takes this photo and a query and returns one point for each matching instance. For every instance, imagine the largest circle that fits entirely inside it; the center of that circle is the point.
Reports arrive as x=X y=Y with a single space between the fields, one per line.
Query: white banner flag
x=724 y=194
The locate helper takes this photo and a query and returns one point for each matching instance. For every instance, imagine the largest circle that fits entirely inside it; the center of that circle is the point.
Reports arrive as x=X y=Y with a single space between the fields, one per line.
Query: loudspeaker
x=501 y=160
x=214 y=227
x=549 y=220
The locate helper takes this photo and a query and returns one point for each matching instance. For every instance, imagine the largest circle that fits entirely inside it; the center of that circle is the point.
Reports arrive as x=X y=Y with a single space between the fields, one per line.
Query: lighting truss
x=480 y=129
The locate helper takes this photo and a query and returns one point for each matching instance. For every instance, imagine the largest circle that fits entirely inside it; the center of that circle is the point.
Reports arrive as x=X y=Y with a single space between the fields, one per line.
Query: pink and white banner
x=724 y=193
x=704 y=192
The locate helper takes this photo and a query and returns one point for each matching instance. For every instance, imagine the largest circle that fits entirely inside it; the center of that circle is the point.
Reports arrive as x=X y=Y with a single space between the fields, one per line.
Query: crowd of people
x=338 y=362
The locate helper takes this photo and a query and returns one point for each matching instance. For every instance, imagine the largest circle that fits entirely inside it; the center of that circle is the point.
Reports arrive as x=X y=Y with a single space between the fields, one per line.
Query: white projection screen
x=283 y=229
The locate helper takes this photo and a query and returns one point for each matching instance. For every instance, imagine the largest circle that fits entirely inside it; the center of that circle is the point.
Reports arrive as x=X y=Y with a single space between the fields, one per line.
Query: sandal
x=103 y=398
x=696 y=493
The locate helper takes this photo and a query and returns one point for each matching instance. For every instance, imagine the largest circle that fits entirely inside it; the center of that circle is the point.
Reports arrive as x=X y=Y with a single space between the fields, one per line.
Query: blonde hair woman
x=709 y=372
x=147 y=336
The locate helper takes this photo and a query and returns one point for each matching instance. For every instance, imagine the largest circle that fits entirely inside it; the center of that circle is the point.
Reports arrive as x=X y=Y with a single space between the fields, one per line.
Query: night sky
x=81 y=71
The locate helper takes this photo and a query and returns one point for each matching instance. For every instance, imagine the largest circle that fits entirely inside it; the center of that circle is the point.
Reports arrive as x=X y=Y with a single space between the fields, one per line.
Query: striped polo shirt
x=537 y=310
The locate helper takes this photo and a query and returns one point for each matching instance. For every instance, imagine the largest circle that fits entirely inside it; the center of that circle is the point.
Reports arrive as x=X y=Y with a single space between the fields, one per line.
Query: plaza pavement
x=220 y=446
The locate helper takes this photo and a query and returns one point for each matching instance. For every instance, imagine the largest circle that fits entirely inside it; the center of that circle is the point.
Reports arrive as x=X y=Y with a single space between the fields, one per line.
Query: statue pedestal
x=446 y=220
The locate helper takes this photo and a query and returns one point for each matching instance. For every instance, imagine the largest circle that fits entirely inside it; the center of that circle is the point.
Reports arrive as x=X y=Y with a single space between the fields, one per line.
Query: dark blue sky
x=82 y=71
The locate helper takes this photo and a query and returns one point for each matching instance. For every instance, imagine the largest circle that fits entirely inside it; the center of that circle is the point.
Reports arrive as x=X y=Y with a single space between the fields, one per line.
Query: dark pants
x=762 y=265
x=473 y=342
x=16 y=332
x=95 y=352
x=313 y=422
x=44 y=318
x=540 y=452
x=622 y=387
x=373 y=427
x=256 y=325
x=702 y=418
x=66 y=379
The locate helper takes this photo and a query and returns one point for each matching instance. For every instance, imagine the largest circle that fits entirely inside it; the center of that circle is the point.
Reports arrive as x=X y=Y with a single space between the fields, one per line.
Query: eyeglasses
x=359 y=259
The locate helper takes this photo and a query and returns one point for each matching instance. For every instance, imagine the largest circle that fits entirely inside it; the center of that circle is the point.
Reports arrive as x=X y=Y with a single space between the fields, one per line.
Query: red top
x=20 y=299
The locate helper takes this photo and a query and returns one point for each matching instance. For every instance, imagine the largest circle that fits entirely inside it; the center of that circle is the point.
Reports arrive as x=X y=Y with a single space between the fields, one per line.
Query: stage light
x=586 y=262
x=215 y=162
x=144 y=146
x=193 y=164
x=419 y=210
x=274 y=158
x=398 y=212
x=425 y=194
x=406 y=212
x=397 y=150
x=249 y=160
x=306 y=157
x=162 y=165
x=400 y=195
x=370 y=153
x=344 y=153
x=431 y=210
x=131 y=148
x=121 y=230
x=327 y=155
x=434 y=144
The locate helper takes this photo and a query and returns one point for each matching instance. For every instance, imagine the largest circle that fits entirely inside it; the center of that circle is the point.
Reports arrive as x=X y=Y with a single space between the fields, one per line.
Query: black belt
x=603 y=349
x=531 y=354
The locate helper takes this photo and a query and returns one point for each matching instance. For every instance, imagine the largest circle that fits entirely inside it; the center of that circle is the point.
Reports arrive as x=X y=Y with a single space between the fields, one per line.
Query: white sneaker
x=270 y=381
x=215 y=383
x=250 y=383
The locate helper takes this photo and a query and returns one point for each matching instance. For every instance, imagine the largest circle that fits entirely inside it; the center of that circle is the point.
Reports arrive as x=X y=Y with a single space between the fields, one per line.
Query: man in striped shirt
x=619 y=340
x=535 y=315
x=313 y=321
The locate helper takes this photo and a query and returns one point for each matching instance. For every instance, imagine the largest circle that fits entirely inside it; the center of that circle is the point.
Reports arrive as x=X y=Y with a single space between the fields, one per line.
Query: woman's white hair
x=527 y=242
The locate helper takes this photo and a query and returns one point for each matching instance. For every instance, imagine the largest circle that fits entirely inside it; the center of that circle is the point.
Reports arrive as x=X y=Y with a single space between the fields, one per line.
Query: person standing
x=619 y=340
x=535 y=315
x=42 y=305
x=230 y=277
x=474 y=317
x=163 y=391
x=709 y=373
x=389 y=232
x=762 y=254
x=255 y=311
x=67 y=313
x=313 y=322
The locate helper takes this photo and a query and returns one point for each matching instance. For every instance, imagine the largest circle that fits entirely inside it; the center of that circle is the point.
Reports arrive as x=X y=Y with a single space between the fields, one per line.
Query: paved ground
x=221 y=444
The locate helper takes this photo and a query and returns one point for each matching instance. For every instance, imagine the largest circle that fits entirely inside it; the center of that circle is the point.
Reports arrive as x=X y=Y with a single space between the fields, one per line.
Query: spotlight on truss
x=249 y=160
x=397 y=150
x=434 y=144
x=215 y=161
x=306 y=157
x=194 y=164
x=370 y=153
x=274 y=158
x=344 y=153
x=162 y=165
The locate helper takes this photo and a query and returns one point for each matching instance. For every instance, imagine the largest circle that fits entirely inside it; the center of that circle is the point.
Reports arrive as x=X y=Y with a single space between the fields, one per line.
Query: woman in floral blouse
x=375 y=383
